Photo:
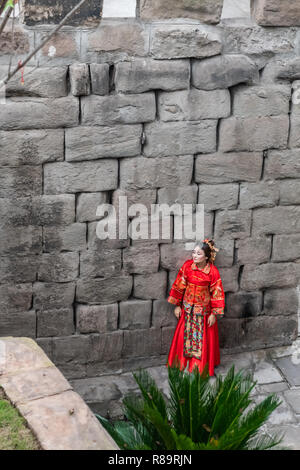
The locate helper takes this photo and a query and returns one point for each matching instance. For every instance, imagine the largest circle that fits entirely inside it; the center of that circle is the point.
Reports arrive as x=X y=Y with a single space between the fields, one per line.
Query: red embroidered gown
x=199 y=292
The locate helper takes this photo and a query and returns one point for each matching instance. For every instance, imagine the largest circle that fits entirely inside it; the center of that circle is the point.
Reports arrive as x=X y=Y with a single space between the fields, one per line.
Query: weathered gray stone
x=218 y=196
x=76 y=177
x=180 y=41
x=21 y=181
x=224 y=257
x=180 y=138
x=286 y=247
x=254 y=134
x=229 y=277
x=152 y=229
x=187 y=228
x=50 y=296
x=280 y=301
x=87 y=204
x=112 y=109
x=97 y=318
x=161 y=172
x=289 y=192
x=276 y=12
x=95 y=243
x=223 y=72
x=254 y=250
x=92 y=143
x=104 y=291
x=106 y=347
x=44 y=82
x=33 y=147
x=71 y=348
x=18 y=324
x=193 y=105
x=181 y=195
x=135 y=314
x=262 y=194
x=55 y=322
x=265 y=373
x=207 y=11
x=43 y=112
x=22 y=240
x=163 y=314
x=148 y=74
x=99 y=79
x=69 y=238
x=233 y=223
x=173 y=256
x=80 y=79
x=150 y=286
x=146 y=197
x=294 y=140
x=167 y=333
x=15 y=297
x=228 y=167
x=104 y=263
x=289 y=369
x=256 y=101
x=282 y=164
x=61 y=267
x=292 y=397
x=243 y=304
x=54 y=210
x=277 y=220
x=19 y=268
x=141 y=342
x=141 y=259
x=269 y=275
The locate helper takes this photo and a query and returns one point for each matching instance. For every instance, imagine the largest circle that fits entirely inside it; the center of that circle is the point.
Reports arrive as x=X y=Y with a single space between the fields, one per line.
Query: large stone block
x=276 y=12
x=233 y=223
x=87 y=203
x=230 y=278
x=104 y=263
x=167 y=334
x=135 y=314
x=104 y=291
x=277 y=220
x=61 y=267
x=294 y=140
x=80 y=79
x=113 y=109
x=147 y=74
x=163 y=314
x=68 y=238
x=97 y=318
x=62 y=48
x=218 y=196
x=106 y=347
x=48 y=296
x=281 y=301
x=146 y=197
x=18 y=324
x=228 y=167
x=282 y=164
x=262 y=194
x=33 y=147
x=180 y=138
x=150 y=286
x=55 y=322
x=173 y=256
x=96 y=243
x=64 y=177
x=21 y=181
x=19 y=268
x=16 y=41
x=223 y=72
x=225 y=255
x=71 y=349
x=142 y=342
x=99 y=79
x=141 y=259
x=92 y=143
x=43 y=112
x=43 y=82
x=180 y=41
x=254 y=250
x=254 y=134
x=193 y=105
x=269 y=275
x=150 y=173
x=289 y=192
x=243 y=304
x=208 y=11
x=286 y=247
x=20 y=240
x=15 y=297
x=53 y=210
x=256 y=101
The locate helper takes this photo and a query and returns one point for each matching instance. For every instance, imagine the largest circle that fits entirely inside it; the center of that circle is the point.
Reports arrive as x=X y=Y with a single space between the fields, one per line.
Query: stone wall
x=164 y=111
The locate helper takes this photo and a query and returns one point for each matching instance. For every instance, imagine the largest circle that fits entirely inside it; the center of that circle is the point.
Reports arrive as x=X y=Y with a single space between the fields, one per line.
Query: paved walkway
x=275 y=370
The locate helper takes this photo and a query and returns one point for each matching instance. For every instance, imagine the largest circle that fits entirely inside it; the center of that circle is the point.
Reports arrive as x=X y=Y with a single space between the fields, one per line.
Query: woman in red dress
x=199 y=297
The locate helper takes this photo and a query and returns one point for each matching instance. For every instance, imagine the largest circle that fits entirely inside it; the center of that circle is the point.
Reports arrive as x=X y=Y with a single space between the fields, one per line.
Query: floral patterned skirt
x=195 y=343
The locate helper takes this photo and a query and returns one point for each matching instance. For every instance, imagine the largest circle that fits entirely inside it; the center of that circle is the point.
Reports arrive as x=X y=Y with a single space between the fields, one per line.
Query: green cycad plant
x=198 y=416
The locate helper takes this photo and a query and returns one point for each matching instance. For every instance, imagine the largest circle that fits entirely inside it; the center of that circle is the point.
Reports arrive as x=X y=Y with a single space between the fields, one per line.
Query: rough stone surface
x=103 y=291
x=276 y=12
x=223 y=72
x=280 y=301
x=233 y=223
x=276 y=220
x=135 y=314
x=283 y=164
x=87 y=203
x=80 y=79
x=261 y=101
x=218 y=196
x=262 y=194
x=243 y=304
x=55 y=322
x=254 y=250
x=207 y=12
x=100 y=264
x=97 y=318
x=62 y=267
x=150 y=286
x=69 y=238
x=269 y=275
x=286 y=247
x=99 y=79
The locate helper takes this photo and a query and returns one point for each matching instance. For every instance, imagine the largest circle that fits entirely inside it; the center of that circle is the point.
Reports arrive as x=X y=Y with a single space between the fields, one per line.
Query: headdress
x=213 y=249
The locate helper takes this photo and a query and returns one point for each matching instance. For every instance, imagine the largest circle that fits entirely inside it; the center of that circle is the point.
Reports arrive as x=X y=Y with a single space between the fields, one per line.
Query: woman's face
x=198 y=255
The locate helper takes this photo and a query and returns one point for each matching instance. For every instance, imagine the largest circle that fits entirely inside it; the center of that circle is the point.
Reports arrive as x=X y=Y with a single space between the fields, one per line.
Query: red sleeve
x=178 y=287
x=217 y=296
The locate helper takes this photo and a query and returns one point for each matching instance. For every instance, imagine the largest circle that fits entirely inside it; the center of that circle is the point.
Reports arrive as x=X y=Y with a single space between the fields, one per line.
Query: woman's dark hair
x=205 y=247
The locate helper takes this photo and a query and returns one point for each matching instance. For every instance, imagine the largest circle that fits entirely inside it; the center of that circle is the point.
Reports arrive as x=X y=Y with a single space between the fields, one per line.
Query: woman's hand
x=211 y=319
x=177 y=312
